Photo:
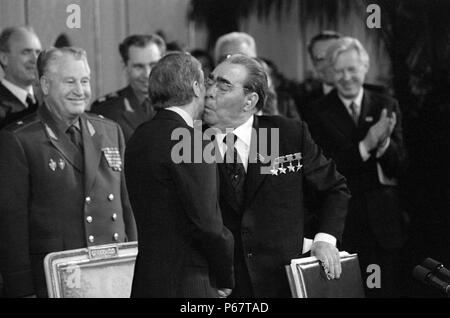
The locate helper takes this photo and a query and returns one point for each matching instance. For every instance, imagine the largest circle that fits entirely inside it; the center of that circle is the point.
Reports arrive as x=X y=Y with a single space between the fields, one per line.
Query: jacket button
x=91 y=238
x=89 y=219
x=111 y=197
x=116 y=237
x=114 y=216
x=88 y=200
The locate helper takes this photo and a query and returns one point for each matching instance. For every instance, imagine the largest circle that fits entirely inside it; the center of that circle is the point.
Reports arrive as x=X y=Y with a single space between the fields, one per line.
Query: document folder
x=307 y=278
x=103 y=271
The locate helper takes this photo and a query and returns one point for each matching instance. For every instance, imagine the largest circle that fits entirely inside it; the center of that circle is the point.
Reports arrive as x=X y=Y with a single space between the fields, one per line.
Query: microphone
x=437 y=268
x=424 y=275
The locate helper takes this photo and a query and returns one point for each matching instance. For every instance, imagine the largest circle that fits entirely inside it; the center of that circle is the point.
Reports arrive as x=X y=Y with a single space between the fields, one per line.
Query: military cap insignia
x=292 y=162
x=112 y=156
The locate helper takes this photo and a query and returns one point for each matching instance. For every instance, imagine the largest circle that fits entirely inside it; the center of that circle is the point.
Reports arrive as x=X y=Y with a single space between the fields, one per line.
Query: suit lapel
x=338 y=115
x=131 y=111
x=92 y=142
x=60 y=140
x=254 y=176
x=8 y=99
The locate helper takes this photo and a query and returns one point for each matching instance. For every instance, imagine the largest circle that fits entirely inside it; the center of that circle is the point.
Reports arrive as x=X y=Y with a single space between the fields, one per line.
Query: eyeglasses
x=222 y=85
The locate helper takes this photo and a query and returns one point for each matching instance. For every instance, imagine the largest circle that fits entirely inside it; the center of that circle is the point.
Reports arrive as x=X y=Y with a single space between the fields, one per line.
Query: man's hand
x=379 y=132
x=224 y=292
x=329 y=256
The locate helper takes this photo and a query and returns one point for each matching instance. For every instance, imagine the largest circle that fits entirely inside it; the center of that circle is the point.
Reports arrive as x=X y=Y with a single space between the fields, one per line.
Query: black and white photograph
x=225 y=153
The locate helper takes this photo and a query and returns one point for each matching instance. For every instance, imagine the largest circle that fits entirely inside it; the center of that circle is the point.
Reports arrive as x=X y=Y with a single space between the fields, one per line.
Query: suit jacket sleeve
x=321 y=174
x=196 y=186
x=130 y=223
x=14 y=194
x=393 y=160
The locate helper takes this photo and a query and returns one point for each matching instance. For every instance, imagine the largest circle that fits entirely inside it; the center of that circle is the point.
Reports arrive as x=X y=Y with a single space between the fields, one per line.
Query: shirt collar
x=243 y=132
x=357 y=100
x=19 y=92
x=186 y=117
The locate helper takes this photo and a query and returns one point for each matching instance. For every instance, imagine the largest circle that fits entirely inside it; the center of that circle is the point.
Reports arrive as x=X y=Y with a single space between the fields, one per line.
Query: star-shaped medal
x=282 y=170
x=274 y=171
x=291 y=167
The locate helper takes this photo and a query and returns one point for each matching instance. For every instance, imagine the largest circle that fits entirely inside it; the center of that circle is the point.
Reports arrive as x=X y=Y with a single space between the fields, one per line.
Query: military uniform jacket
x=123 y=107
x=11 y=108
x=269 y=227
x=51 y=201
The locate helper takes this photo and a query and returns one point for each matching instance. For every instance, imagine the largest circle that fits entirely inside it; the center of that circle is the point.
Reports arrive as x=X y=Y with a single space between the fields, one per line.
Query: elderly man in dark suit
x=130 y=106
x=184 y=248
x=262 y=201
x=361 y=130
x=19 y=48
x=61 y=180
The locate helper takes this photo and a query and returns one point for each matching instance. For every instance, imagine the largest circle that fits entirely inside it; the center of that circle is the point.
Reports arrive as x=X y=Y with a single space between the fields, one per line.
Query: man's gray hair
x=346 y=44
x=234 y=37
x=48 y=56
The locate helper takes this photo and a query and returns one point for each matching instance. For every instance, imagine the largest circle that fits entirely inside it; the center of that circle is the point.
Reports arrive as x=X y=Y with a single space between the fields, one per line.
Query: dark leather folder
x=307 y=278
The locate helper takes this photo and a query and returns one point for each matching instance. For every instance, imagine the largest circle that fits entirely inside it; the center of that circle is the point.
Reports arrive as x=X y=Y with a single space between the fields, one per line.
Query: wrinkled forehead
x=234 y=73
x=67 y=64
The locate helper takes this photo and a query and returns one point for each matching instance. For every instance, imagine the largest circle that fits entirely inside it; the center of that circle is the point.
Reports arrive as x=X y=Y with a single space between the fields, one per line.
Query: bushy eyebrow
x=219 y=79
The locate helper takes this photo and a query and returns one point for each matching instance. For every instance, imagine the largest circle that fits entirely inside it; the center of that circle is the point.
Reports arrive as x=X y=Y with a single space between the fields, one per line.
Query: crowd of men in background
x=62 y=171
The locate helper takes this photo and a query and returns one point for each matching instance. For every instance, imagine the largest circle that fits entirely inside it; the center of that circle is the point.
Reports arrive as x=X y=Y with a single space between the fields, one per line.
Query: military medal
x=278 y=166
x=113 y=159
x=52 y=164
x=61 y=164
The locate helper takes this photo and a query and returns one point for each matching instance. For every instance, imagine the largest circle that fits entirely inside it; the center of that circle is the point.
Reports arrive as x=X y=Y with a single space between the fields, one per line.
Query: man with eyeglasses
x=265 y=212
x=130 y=106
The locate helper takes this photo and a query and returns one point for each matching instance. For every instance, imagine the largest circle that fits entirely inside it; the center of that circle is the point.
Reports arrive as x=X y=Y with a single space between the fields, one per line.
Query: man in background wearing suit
x=265 y=212
x=61 y=181
x=19 y=48
x=361 y=130
x=130 y=106
x=184 y=248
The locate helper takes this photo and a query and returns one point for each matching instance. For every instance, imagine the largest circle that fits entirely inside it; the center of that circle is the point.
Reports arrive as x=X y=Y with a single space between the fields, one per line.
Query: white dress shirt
x=19 y=92
x=186 y=117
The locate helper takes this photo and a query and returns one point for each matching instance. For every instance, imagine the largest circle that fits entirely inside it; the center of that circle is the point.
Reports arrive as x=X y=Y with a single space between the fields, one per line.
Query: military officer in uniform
x=19 y=48
x=61 y=177
x=130 y=106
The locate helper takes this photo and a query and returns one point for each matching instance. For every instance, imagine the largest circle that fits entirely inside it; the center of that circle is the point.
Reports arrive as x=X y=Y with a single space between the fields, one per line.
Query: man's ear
x=44 y=82
x=196 y=88
x=251 y=100
x=3 y=59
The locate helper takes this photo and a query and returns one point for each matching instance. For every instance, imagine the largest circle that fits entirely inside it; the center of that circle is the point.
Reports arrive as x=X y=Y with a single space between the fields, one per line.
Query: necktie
x=75 y=137
x=234 y=167
x=30 y=101
x=354 y=113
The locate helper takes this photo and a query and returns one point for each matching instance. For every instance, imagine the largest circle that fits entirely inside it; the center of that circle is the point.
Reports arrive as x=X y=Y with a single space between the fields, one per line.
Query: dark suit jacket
x=47 y=194
x=123 y=107
x=11 y=108
x=269 y=228
x=333 y=129
x=184 y=249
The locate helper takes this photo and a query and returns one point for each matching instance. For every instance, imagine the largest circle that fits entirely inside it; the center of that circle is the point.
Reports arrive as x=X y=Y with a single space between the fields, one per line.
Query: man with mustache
x=62 y=185
x=19 y=48
x=130 y=106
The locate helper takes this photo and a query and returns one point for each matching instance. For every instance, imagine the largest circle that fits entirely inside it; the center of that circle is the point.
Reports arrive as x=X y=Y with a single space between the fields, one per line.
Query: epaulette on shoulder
x=22 y=123
x=100 y=118
x=107 y=97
